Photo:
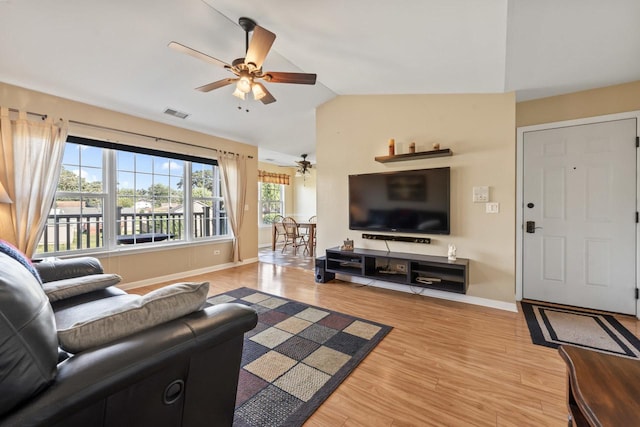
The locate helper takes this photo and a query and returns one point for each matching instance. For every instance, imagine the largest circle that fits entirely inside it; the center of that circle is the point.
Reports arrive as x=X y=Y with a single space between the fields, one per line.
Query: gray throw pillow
x=159 y=306
x=67 y=288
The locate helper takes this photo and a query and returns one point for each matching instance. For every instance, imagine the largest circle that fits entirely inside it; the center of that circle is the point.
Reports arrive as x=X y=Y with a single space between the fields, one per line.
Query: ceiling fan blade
x=259 y=46
x=297 y=78
x=215 y=85
x=267 y=98
x=197 y=54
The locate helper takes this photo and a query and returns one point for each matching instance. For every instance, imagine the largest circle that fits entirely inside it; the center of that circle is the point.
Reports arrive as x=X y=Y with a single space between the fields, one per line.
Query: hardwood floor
x=443 y=364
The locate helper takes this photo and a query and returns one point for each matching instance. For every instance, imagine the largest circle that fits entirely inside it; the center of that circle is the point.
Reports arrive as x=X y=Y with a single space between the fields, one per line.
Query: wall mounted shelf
x=414 y=156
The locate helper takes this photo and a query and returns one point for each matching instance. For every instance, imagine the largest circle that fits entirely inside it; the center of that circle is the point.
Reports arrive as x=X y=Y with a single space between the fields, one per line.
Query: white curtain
x=234 y=191
x=30 y=158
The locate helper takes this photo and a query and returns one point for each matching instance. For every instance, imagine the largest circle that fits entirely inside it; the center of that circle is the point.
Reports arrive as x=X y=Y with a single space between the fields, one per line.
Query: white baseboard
x=450 y=296
x=182 y=275
x=485 y=302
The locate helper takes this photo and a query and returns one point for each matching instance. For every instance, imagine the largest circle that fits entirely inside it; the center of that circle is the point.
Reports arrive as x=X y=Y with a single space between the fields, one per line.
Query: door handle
x=531 y=227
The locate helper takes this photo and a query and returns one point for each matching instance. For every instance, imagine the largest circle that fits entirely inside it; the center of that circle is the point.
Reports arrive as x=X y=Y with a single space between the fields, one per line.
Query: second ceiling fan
x=248 y=70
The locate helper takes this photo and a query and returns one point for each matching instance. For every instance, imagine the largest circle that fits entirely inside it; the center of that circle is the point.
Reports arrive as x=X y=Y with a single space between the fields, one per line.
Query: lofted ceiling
x=114 y=54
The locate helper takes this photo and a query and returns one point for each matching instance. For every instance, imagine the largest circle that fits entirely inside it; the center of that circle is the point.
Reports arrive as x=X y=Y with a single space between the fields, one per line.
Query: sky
x=138 y=171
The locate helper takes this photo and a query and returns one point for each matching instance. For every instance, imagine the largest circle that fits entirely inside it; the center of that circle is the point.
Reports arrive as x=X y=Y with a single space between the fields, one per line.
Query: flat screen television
x=413 y=201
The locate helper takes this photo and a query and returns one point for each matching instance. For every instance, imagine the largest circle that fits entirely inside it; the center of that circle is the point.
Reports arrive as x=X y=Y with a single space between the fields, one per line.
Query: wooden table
x=310 y=226
x=603 y=389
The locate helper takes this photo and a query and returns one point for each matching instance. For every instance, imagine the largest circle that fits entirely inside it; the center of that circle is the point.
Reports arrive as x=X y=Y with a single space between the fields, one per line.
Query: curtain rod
x=156 y=138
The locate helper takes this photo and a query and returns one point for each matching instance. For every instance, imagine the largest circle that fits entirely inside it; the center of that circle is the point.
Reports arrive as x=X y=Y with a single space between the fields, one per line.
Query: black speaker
x=322 y=275
x=425 y=240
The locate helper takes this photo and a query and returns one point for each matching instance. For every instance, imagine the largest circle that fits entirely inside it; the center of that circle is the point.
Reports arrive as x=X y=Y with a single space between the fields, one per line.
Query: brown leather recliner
x=182 y=372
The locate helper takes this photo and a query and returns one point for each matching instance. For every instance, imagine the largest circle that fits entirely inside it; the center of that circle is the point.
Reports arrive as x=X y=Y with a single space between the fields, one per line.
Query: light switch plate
x=480 y=194
x=493 y=207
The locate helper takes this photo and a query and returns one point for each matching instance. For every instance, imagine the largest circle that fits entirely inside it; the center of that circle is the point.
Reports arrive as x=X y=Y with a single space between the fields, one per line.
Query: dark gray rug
x=295 y=358
x=551 y=326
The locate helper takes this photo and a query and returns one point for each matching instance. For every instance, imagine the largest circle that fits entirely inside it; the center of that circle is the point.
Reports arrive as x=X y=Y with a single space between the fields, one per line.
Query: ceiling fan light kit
x=244 y=82
x=304 y=166
x=258 y=91
x=249 y=69
x=239 y=94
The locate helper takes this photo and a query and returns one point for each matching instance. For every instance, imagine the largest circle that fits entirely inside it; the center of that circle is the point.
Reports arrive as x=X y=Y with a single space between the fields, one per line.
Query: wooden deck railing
x=67 y=232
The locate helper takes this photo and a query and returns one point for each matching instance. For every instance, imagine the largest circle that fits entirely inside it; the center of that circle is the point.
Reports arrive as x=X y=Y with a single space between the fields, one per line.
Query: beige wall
x=136 y=266
x=479 y=129
x=588 y=103
x=304 y=195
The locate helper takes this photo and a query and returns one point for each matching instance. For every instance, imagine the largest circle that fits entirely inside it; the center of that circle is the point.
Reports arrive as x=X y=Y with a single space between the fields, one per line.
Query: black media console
x=432 y=272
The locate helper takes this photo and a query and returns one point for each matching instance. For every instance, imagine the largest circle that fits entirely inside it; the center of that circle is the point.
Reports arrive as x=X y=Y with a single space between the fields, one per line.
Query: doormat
x=551 y=326
x=295 y=357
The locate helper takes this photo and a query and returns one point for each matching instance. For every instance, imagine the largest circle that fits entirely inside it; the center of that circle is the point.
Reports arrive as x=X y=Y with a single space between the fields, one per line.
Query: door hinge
x=637 y=217
x=637 y=294
x=637 y=141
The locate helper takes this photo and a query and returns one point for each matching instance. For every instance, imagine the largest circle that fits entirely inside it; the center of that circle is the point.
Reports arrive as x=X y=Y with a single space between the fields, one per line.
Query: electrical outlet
x=401 y=267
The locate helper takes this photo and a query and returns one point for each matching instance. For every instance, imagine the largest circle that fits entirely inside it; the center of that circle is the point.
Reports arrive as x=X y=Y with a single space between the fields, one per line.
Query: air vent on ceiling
x=175 y=113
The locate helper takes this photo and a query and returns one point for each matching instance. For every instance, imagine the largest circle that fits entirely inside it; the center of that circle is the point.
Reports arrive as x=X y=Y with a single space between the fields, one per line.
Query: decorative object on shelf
x=392 y=147
x=436 y=146
x=347 y=246
x=412 y=147
x=452 y=252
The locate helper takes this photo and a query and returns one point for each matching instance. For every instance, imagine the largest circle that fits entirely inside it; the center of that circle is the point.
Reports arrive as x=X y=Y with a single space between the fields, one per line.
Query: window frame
x=109 y=197
x=261 y=222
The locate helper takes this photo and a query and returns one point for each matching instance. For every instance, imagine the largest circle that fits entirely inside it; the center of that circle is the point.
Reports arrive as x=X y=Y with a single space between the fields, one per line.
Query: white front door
x=579 y=196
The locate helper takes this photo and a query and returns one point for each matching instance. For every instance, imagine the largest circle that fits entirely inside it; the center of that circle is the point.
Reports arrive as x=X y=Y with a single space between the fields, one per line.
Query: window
x=208 y=215
x=150 y=204
x=271 y=202
x=147 y=195
x=76 y=221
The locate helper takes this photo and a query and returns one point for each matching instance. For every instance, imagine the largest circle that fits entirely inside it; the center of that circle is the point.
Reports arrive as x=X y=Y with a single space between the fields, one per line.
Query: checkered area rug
x=295 y=357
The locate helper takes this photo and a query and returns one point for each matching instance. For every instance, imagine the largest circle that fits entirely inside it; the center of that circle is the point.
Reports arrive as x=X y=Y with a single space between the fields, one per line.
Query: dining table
x=310 y=227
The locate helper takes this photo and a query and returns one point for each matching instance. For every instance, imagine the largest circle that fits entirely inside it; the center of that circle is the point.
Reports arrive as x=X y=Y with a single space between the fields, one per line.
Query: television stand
x=426 y=271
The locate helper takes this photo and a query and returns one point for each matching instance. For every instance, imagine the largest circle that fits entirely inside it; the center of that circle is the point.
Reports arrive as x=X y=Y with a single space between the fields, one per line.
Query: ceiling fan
x=248 y=70
x=304 y=165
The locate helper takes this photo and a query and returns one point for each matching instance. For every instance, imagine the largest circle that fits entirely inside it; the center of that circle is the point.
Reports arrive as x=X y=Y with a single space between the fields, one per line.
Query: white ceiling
x=114 y=54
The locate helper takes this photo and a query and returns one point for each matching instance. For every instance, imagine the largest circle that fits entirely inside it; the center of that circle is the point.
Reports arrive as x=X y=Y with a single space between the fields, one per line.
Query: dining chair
x=280 y=231
x=292 y=235
x=313 y=220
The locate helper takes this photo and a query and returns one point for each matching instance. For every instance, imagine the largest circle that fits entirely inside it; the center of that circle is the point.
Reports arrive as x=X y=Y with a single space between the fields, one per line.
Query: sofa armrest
x=58 y=269
x=86 y=380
